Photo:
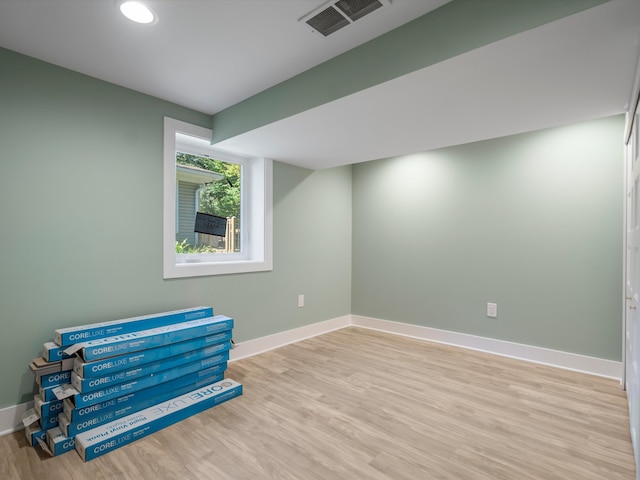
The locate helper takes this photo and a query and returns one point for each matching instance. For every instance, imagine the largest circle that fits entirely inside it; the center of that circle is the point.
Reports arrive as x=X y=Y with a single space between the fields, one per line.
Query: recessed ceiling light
x=138 y=12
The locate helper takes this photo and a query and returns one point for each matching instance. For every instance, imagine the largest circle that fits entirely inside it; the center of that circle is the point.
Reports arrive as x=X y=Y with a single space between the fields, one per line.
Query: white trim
x=11 y=417
x=256 y=216
x=555 y=358
x=634 y=101
x=270 y=342
x=623 y=299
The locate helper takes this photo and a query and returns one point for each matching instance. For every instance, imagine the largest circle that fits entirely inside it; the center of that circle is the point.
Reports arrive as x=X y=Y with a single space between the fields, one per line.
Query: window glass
x=211 y=187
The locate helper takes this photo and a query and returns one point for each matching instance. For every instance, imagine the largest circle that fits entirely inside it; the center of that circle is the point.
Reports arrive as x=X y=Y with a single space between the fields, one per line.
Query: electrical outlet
x=300 y=300
x=492 y=310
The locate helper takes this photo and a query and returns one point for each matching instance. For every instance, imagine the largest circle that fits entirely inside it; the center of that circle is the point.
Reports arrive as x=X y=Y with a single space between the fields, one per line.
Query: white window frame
x=256 y=215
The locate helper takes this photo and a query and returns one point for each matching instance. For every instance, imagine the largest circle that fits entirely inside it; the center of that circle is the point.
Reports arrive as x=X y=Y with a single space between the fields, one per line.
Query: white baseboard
x=264 y=344
x=10 y=417
x=555 y=358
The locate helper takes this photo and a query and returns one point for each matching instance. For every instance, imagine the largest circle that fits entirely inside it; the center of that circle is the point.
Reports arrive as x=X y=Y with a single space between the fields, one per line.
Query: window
x=217 y=206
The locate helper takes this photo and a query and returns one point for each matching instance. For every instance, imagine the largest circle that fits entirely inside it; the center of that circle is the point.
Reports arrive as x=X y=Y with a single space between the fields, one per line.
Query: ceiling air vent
x=334 y=15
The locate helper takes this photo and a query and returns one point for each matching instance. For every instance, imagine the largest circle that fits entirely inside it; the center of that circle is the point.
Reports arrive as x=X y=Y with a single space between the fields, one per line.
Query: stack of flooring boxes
x=52 y=369
x=125 y=379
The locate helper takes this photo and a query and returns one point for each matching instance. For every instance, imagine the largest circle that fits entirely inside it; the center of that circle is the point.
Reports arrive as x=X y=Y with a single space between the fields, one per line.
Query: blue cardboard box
x=48 y=394
x=54 y=379
x=34 y=432
x=49 y=422
x=52 y=352
x=155 y=337
x=208 y=355
x=98 y=441
x=84 y=333
x=190 y=381
x=109 y=365
x=114 y=391
x=58 y=442
x=46 y=409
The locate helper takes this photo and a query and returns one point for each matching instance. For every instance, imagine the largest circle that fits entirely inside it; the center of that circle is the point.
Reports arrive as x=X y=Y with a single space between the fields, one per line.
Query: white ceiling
x=203 y=54
x=578 y=68
x=208 y=55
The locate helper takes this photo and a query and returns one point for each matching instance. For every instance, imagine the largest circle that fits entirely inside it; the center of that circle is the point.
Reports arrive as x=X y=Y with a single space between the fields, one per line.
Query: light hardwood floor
x=358 y=404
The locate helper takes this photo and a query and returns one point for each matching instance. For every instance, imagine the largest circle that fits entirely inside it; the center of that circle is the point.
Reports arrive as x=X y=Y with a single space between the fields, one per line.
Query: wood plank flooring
x=358 y=404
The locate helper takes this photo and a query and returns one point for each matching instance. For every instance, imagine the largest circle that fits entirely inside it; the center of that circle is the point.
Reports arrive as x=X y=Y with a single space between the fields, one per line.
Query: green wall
x=81 y=213
x=532 y=222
